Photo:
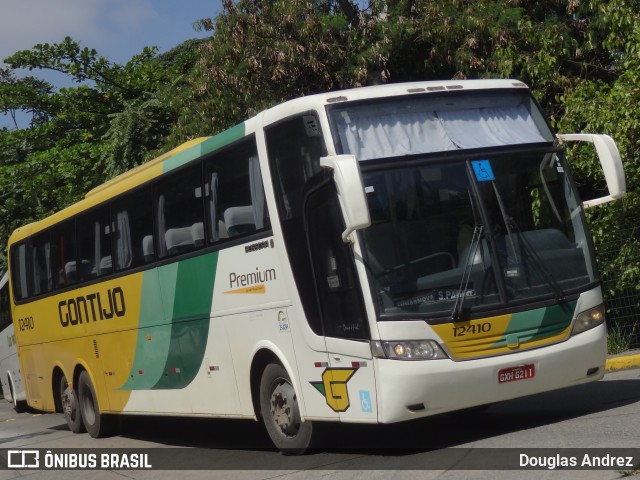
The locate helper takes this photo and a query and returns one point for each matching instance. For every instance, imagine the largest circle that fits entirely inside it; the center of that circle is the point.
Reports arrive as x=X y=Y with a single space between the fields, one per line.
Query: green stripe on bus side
x=193 y=294
x=186 y=351
x=174 y=324
x=208 y=146
x=538 y=324
x=154 y=337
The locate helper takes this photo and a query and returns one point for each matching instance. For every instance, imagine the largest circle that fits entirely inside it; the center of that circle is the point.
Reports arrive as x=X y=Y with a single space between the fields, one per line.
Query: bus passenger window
x=179 y=212
x=234 y=193
x=94 y=244
x=63 y=255
x=42 y=274
x=132 y=225
x=5 y=305
x=19 y=271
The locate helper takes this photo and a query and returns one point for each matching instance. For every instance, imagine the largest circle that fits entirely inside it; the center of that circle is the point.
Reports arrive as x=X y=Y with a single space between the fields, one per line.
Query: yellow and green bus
x=10 y=375
x=373 y=255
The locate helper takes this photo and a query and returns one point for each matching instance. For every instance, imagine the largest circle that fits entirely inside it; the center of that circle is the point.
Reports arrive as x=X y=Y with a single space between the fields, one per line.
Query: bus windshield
x=471 y=205
x=476 y=233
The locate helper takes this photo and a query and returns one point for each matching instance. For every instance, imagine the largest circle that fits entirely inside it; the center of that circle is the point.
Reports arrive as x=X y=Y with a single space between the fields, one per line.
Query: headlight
x=588 y=319
x=408 y=350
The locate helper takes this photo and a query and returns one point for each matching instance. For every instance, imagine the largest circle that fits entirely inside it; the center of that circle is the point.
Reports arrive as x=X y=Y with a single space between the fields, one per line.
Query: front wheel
x=97 y=424
x=281 y=413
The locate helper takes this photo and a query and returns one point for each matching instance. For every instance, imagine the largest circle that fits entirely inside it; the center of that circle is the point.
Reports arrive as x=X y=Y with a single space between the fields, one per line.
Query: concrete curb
x=621 y=362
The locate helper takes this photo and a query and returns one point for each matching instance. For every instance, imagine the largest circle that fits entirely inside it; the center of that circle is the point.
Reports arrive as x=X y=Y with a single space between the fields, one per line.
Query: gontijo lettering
x=92 y=307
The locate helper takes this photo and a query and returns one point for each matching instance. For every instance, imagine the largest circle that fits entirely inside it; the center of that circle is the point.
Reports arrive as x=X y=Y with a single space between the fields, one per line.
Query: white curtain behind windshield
x=431 y=124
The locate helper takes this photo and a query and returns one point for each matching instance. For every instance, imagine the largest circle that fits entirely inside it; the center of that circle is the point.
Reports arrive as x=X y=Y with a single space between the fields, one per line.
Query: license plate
x=513 y=374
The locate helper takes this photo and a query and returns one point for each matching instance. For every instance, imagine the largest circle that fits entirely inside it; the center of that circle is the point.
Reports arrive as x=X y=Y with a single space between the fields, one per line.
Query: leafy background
x=581 y=58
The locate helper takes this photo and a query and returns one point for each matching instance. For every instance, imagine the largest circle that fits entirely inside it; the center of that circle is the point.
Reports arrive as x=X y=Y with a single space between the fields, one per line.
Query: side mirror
x=609 y=160
x=353 y=201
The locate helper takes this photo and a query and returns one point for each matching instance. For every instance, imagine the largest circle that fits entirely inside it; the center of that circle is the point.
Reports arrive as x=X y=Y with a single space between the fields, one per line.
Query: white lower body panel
x=414 y=389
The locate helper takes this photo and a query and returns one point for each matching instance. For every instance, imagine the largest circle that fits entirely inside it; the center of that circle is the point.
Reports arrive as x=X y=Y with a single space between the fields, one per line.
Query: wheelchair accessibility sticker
x=365 y=401
x=483 y=170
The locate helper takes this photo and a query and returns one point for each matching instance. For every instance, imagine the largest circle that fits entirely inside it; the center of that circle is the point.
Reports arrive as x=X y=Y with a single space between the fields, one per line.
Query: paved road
x=605 y=414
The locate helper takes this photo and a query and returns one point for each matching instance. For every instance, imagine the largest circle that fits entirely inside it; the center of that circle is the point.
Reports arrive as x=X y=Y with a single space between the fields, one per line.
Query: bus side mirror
x=353 y=201
x=609 y=160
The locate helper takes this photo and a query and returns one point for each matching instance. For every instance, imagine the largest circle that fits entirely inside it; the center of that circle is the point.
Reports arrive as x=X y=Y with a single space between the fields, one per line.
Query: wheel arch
x=263 y=355
x=56 y=376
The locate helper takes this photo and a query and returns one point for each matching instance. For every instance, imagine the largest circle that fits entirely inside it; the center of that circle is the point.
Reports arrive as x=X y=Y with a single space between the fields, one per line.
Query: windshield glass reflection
x=446 y=238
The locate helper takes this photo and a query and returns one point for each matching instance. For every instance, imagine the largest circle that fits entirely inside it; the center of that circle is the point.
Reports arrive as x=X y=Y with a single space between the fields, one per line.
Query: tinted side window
x=94 y=243
x=234 y=193
x=65 y=269
x=42 y=273
x=19 y=271
x=294 y=147
x=179 y=212
x=5 y=307
x=132 y=225
x=338 y=292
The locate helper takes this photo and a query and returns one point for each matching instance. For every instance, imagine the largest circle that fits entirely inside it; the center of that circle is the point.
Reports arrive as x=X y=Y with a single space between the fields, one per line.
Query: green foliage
x=262 y=53
x=618 y=340
x=611 y=108
x=84 y=64
x=581 y=57
x=26 y=94
x=79 y=136
x=133 y=132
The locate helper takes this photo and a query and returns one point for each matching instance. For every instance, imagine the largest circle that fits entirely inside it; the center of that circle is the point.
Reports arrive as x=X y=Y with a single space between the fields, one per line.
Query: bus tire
x=70 y=406
x=281 y=413
x=98 y=425
x=18 y=406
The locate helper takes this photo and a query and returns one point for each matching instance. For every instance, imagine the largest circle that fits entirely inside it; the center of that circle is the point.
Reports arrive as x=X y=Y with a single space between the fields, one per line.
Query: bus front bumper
x=414 y=389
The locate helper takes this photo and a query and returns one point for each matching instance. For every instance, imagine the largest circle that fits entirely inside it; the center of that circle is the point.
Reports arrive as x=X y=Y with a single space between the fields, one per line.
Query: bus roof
x=311 y=102
x=201 y=146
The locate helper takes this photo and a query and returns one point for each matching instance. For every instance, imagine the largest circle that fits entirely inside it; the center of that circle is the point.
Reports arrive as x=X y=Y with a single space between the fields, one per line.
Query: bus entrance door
x=349 y=381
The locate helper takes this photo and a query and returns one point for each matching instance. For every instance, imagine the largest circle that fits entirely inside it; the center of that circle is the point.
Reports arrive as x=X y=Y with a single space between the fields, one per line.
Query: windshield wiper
x=466 y=274
x=507 y=221
x=537 y=261
x=511 y=226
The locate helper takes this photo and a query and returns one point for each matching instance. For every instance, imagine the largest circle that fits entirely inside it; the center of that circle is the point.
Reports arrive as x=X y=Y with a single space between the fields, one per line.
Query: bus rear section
x=10 y=373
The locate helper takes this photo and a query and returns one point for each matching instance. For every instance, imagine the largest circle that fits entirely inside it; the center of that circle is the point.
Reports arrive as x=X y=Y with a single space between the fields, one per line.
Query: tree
x=262 y=53
x=610 y=106
x=78 y=136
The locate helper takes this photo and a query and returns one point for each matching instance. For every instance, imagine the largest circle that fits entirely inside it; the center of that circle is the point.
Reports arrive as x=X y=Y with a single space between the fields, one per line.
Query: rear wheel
x=281 y=413
x=70 y=406
x=97 y=424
